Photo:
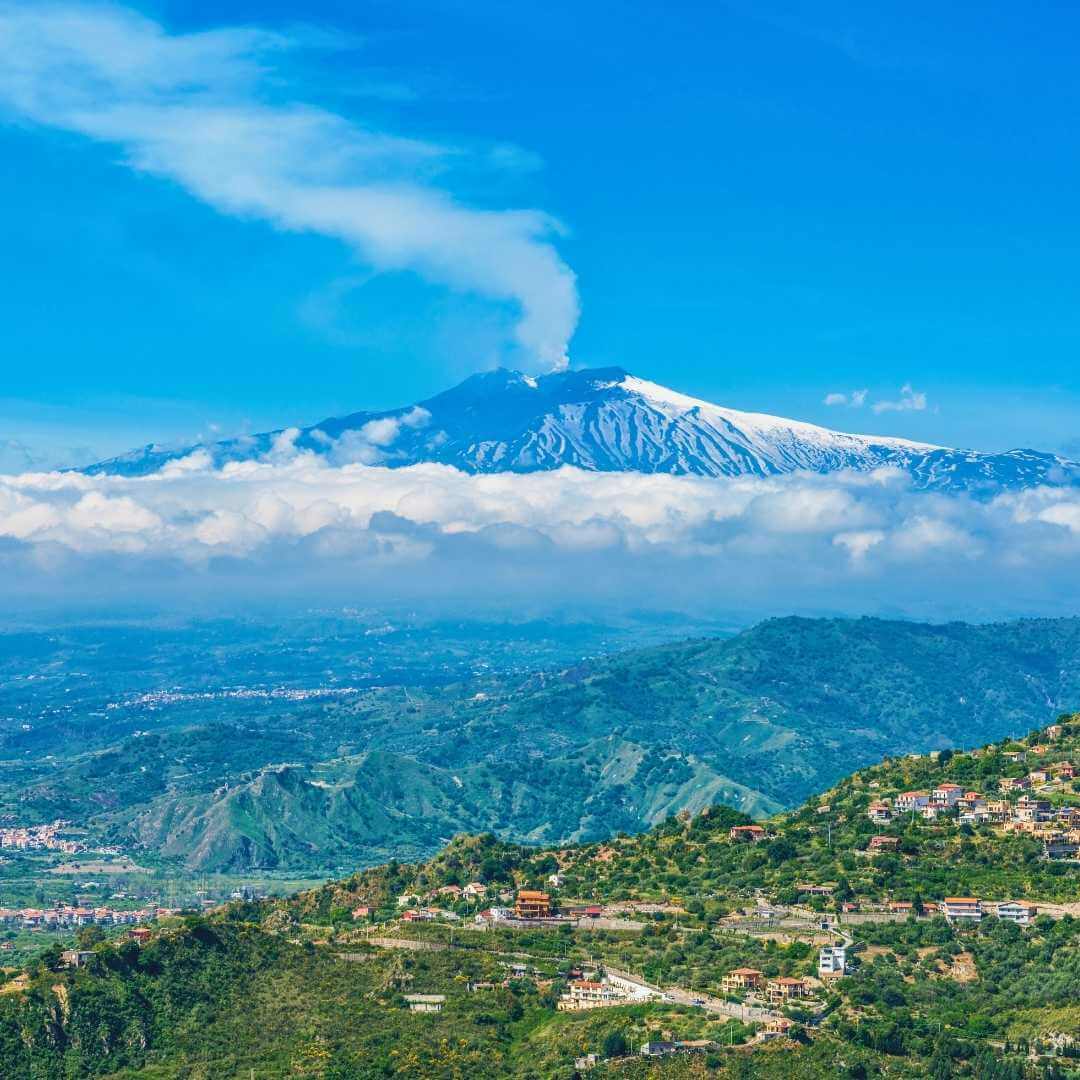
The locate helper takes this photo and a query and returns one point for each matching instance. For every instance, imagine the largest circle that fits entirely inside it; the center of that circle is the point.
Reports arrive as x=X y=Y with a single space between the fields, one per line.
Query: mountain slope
x=757 y=721
x=605 y=420
x=297 y=987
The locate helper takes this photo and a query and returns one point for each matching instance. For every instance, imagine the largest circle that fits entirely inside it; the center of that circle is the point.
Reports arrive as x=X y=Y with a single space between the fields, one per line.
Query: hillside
x=757 y=721
x=318 y=985
x=824 y=842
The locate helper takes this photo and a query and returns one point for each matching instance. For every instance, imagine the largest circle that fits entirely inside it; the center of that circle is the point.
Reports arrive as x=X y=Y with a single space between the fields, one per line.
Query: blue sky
x=762 y=204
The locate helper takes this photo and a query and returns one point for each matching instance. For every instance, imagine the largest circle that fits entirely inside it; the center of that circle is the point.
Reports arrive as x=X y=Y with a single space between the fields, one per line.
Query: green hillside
x=757 y=721
x=314 y=986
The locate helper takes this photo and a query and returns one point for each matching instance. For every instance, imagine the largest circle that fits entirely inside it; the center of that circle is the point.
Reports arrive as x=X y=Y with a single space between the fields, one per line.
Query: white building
x=946 y=795
x=1017 y=911
x=832 y=960
x=962 y=909
x=912 y=800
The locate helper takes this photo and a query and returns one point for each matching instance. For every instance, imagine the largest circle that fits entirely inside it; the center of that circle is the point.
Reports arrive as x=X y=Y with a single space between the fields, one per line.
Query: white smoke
x=200 y=109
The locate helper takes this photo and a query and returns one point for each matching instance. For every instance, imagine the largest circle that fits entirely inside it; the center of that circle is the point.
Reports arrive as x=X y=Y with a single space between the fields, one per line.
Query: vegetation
x=757 y=721
x=299 y=987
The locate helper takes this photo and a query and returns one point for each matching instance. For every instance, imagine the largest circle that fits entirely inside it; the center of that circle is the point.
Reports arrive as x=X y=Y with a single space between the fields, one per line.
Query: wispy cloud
x=206 y=110
x=855 y=399
x=910 y=400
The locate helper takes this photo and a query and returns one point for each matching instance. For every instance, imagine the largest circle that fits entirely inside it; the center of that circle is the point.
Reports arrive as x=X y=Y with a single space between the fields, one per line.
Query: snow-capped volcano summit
x=605 y=420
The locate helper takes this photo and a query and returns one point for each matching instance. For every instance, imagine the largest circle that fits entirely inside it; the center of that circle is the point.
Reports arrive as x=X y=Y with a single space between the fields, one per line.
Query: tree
x=615 y=1045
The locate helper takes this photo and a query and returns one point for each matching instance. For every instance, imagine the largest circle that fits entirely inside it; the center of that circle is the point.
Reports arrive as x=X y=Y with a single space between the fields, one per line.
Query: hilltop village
x=919 y=919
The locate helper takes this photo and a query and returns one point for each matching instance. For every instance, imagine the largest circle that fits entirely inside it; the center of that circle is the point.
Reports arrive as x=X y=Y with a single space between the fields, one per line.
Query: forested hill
x=315 y=985
x=831 y=839
x=757 y=721
x=789 y=706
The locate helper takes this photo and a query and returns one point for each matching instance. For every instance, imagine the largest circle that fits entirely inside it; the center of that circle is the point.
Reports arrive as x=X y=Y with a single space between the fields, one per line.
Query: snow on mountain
x=605 y=420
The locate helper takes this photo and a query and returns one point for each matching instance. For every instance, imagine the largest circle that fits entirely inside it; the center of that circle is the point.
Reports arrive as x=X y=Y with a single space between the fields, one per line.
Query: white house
x=912 y=800
x=946 y=795
x=832 y=960
x=1018 y=911
x=963 y=909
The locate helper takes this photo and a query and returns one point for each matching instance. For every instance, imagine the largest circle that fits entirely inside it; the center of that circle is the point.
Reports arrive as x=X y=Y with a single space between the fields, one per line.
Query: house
x=74 y=958
x=1064 y=770
x=417 y=915
x=1018 y=911
x=901 y=907
x=659 y=1049
x=1054 y=732
x=832 y=960
x=884 y=843
x=140 y=934
x=555 y=880
x=1062 y=849
x=531 y=904
x=932 y=811
x=912 y=800
x=1014 y=755
x=741 y=979
x=589 y=994
x=879 y=812
x=746 y=833
x=777 y=1027
x=1014 y=783
x=806 y=889
x=453 y=891
x=946 y=795
x=964 y=909
x=785 y=989
x=363 y=911
x=1029 y=808
x=474 y=890
x=590 y=911
x=425 y=1003
x=1039 y=776
x=586 y=1061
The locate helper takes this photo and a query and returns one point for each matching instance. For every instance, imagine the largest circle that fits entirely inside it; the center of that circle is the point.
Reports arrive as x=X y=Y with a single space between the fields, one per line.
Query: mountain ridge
x=608 y=744
x=602 y=420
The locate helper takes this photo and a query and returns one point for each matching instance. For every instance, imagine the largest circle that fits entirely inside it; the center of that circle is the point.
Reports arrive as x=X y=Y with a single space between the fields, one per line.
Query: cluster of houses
x=39 y=837
x=529 y=905
x=64 y=918
x=957 y=909
x=1057 y=827
x=778 y=991
x=598 y=993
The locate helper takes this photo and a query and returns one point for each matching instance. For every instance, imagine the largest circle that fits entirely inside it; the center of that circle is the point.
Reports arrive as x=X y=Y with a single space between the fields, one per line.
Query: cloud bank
x=205 y=110
x=297 y=526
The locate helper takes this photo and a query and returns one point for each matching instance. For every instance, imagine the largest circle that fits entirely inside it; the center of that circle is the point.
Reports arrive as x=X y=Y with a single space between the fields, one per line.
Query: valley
x=205 y=759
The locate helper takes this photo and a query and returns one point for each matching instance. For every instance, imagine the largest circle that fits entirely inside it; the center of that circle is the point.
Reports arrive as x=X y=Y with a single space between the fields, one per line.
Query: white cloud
x=544 y=541
x=910 y=400
x=855 y=400
x=204 y=111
